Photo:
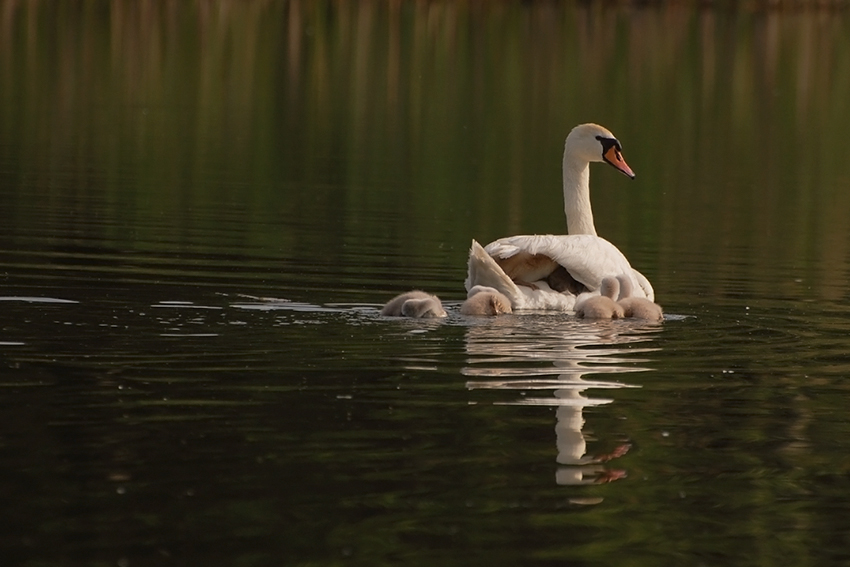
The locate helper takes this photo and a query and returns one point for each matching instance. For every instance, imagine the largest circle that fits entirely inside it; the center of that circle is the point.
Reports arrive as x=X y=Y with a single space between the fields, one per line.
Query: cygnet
x=602 y=306
x=485 y=301
x=637 y=307
x=414 y=304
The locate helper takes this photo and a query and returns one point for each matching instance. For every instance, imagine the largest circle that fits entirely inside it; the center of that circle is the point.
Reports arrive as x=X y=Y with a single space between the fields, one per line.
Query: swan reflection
x=555 y=353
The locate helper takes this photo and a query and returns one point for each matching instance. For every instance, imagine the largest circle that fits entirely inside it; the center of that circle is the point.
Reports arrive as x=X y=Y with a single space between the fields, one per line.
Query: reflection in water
x=574 y=349
x=36 y=299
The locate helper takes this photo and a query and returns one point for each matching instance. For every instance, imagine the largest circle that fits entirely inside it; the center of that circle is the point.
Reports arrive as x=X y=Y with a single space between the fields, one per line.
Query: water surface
x=203 y=206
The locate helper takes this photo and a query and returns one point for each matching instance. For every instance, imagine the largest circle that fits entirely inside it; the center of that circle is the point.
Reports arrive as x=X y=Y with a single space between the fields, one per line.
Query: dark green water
x=202 y=206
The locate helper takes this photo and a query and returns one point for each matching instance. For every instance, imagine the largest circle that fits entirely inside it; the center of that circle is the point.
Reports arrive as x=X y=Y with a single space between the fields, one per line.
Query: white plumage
x=530 y=260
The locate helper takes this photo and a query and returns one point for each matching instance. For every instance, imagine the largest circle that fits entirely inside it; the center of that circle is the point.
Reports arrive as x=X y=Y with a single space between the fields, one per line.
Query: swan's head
x=592 y=142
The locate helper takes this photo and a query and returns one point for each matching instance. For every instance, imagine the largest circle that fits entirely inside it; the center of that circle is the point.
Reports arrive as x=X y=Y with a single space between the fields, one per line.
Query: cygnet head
x=610 y=288
x=625 y=286
x=593 y=143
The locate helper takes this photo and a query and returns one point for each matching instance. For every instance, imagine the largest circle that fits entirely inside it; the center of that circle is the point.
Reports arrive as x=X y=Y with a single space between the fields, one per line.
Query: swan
x=637 y=307
x=602 y=306
x=414 y=304
x=485 y=301
x=550 y=271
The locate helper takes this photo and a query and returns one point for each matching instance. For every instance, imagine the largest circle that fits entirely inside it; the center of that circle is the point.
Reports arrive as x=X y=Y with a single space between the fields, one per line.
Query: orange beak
x=615 y=158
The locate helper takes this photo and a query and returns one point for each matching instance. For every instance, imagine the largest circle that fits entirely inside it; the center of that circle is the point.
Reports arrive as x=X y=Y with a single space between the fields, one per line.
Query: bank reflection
x=531 y=356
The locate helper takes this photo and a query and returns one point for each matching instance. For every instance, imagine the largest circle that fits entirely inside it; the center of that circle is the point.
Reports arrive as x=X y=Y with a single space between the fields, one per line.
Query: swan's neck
x=577 y=197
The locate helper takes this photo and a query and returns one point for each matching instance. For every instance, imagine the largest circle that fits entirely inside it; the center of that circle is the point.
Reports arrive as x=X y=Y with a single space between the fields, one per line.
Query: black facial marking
x=607 y=143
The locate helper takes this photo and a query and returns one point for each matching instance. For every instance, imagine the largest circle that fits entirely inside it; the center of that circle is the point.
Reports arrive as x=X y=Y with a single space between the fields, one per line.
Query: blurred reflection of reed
x=446 y=95
x=429 y=57
x=533 y=355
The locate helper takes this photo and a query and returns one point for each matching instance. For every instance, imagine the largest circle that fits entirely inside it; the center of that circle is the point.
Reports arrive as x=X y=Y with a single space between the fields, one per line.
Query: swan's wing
x=484 y=271
x=587 y=258
x=644 y=284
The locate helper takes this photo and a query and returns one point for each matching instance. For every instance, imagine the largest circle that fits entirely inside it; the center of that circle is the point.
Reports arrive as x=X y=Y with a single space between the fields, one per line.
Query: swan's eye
x=608 y=143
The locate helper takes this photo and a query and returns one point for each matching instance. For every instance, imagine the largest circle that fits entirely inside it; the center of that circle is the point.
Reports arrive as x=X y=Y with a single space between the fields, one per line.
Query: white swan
x=604 y=305
x=484 y=301
x=414 y=304
x=549 y=271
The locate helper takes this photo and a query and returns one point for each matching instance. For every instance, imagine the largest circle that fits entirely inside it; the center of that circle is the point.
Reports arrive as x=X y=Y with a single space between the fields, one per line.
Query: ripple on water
x=26 y=299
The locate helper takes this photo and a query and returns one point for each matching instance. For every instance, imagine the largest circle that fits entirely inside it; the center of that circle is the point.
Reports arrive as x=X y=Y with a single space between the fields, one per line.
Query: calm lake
x=204 y=204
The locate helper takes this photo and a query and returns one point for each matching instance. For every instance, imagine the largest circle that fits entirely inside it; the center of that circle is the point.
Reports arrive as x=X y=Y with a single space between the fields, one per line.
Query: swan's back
x=588 y=258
